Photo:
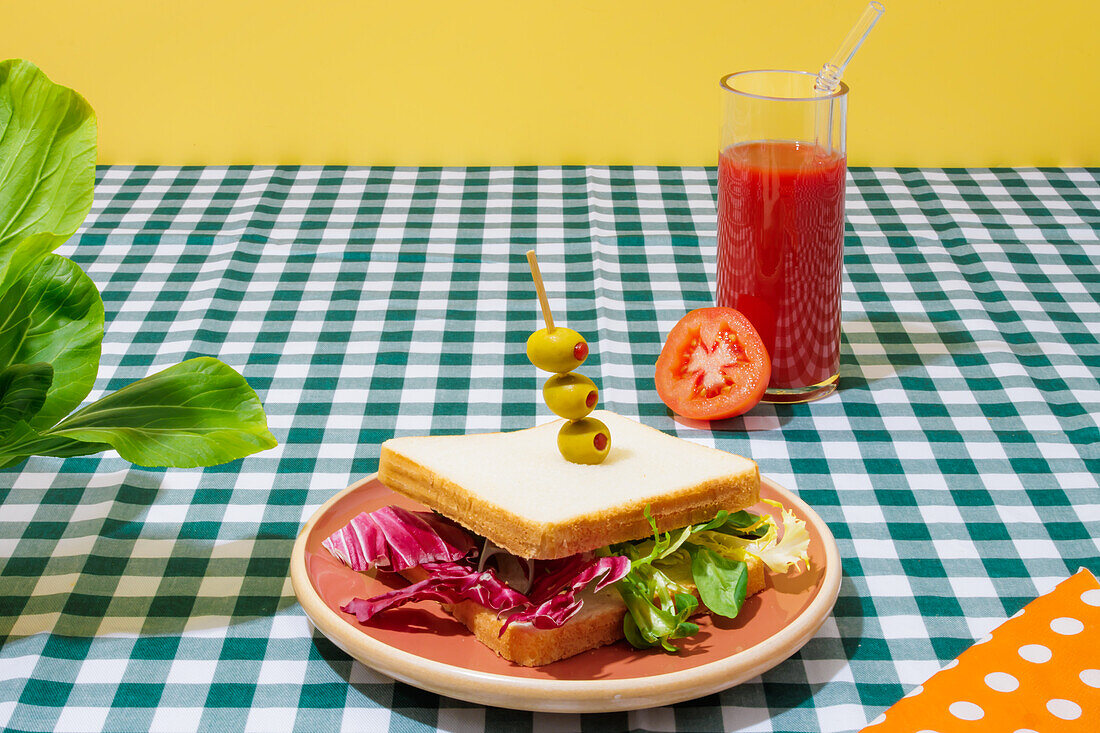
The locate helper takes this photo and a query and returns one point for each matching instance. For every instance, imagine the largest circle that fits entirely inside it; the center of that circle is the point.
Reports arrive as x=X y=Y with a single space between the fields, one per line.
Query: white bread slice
x=516 y=489
x=597 y=623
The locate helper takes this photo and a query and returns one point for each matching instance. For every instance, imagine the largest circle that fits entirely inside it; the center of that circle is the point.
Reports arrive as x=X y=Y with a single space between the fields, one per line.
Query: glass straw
x=829 y=76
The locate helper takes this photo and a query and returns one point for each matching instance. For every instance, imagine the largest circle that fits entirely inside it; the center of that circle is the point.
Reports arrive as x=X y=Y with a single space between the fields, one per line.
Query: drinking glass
x=781 y=173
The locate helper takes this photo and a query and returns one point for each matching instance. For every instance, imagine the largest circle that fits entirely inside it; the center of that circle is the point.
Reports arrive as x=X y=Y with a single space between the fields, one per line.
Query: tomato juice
x=780 y=249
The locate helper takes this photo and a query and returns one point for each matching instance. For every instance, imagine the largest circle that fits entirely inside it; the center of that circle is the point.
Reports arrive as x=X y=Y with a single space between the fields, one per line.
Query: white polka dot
x=1066 y=626
x=1091 y=596
x=1064 y=709
x=953 y=663
x=915 y=691
x=1001 y=681
x=1025 y=730
x=927 y=730
x=1035 y=653
x=966 y=711
x=1091 y=677
x=984 y=639
x=1019 y=613
x=879 y=719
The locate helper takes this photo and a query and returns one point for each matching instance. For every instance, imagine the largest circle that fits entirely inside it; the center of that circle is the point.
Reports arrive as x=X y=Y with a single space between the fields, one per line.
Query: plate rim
x=523 y=693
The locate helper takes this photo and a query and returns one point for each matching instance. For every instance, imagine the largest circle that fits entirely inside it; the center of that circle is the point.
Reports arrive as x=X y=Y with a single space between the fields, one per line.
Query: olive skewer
x=556 y=349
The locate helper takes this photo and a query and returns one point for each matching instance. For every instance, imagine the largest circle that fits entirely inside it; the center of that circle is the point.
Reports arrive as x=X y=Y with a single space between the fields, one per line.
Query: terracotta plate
x=423 y=646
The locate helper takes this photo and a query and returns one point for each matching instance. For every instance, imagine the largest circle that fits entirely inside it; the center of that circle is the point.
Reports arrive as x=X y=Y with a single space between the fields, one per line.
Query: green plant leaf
x=15 y=257
x=50 y=311
x=722 y=583
x=742 y=524
x=197 y=413
x=653 y=624
x=23 y=390
x=633 y=634
x=47 y=155
x=24 y=441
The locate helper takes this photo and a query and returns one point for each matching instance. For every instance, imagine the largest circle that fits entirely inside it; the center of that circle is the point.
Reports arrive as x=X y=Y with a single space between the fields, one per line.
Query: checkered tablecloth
x=957 y=465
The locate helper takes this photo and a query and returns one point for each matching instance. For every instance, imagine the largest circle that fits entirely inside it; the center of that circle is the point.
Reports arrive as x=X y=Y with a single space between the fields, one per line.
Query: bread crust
x=599 y=622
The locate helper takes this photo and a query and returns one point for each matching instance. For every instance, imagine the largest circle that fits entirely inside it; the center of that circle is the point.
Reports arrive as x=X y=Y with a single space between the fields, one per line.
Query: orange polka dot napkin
x=1038 y=672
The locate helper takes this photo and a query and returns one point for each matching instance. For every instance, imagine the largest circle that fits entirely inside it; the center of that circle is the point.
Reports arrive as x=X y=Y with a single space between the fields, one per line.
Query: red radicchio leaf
x=553 y=596
x=448 y=583
x=397 y=539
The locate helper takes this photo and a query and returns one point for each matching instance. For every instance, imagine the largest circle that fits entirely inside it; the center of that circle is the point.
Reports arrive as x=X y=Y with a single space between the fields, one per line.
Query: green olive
x=584 y=441
x=570 y=395
x=560 y=350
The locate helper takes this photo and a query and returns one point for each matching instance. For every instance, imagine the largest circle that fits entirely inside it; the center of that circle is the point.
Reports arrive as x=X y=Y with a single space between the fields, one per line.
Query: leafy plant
x=197 y=413
x=709 y=558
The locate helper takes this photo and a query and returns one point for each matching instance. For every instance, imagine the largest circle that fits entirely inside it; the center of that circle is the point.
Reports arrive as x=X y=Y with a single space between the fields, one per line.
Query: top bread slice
x=515 y=489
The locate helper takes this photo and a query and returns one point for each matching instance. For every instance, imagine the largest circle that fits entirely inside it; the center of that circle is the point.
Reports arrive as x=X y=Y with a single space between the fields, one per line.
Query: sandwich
x=543 y=559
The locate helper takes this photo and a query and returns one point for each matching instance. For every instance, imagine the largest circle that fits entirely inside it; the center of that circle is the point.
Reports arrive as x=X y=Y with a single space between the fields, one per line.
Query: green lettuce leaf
x=708 y=558
x=23 y=390
x=742 y=524
x=722 y=583
x=658 y=606
x=778 y=553
x=197 y=413
x=23 y=441
x=47 y=155
x=792 y=549
x=50 y=311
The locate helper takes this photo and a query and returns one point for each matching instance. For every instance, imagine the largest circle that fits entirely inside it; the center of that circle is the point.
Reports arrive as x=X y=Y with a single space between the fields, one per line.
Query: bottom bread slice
x=599 y=622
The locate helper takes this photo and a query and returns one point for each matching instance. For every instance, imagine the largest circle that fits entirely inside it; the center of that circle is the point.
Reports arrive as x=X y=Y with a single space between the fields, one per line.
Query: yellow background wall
x=939 y=82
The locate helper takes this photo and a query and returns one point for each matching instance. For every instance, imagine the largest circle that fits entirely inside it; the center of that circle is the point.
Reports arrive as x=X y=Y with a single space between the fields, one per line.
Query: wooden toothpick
x=541 y=289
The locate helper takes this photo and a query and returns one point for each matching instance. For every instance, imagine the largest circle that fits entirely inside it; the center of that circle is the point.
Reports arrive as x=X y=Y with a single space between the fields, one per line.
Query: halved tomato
x=713 y=365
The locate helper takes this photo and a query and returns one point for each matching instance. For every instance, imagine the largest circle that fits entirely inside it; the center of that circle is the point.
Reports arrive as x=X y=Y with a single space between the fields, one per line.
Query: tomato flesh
x=713 y=365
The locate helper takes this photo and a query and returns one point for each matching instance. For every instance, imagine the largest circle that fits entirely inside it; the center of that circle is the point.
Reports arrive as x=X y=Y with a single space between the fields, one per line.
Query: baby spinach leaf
x=743 y=524
x=51 y=312
x=722 y=583
x=197 y=413
x=23 y=390
x=47 y=155
x=742 y=519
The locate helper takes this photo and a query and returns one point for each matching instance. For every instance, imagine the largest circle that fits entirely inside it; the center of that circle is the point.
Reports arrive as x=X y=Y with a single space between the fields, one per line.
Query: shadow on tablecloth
x=786 y=694
x=124 y=553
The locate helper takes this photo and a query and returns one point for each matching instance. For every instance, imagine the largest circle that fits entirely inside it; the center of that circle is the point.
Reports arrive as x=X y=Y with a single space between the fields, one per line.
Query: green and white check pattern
x=957 y=465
